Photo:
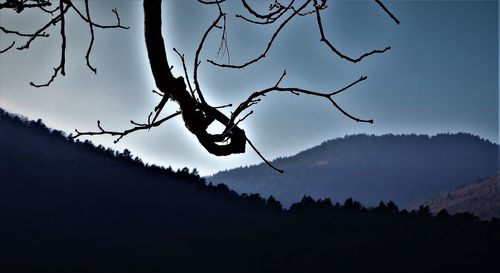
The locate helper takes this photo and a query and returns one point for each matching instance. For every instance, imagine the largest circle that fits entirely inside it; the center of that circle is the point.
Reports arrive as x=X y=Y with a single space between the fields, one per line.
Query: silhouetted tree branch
x=253 y=99
x=58 y=17
x=317 y=7
x=196 y=112
x=387 y=11
x=138 y=126
x=7 y=48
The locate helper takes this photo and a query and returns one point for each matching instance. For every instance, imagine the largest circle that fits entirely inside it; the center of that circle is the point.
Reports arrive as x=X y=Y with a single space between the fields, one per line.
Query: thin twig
x=6 y=31
x=211 y=2
x=269 y=44
x=121 y=134
x=157 y=93
x=336 y=51
x=9 y=47
x=223 y=106
x=262 y=157
x=270 y=18
x=387 y=11
x=253 y=99
x=42 y=5
x=185 y=71
x=39 y=32
x=197 y=56
x=62 y=62
x=117 y=25
x=87 y=56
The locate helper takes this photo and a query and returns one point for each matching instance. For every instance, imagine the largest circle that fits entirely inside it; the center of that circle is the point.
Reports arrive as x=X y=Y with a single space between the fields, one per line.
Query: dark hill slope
x=402 y=168
x=71 y=207
x=481 y=198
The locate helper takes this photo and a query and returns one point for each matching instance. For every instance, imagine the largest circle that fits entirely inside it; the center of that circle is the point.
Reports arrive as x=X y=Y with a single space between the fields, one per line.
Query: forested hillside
x=481 y=198
x=72 y=207
x=402 y=168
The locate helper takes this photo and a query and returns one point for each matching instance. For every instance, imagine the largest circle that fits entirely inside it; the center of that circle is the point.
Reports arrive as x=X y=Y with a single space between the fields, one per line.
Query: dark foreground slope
x=69 y=207
x=402 y=168
x=481 y=198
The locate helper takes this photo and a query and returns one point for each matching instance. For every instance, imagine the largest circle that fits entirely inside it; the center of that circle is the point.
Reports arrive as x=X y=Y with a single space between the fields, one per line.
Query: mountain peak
x=370 y=168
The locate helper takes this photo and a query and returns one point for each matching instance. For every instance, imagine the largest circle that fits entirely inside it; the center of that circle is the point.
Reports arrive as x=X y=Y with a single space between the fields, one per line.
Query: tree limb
x=336 y=51
x=269 y=44
x=196 y=112
x=121 y=134
x=7 y=48
x=62 y=62
x=254 y=98
x=387 y=11
x=87 y=56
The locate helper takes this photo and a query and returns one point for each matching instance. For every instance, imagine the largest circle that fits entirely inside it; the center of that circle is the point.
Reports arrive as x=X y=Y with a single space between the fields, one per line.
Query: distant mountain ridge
x=401 y=168
x=481 y=198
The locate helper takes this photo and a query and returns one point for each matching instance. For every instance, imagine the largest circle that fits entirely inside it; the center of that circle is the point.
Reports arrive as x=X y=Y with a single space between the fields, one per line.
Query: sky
x=441 y=75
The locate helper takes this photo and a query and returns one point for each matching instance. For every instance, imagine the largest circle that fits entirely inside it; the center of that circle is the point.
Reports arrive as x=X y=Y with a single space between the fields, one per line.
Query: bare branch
x=62 y=63
x=42 y=7
x=253 y=99
x=271 y=17
x=305 y=13
x=6 y=31
x=54 y=75
x=185 y=71
x=264 y=16
x=121 y=134
x=387 y=11
x=267 y=22
x=211 y=2
x=269 y=44
x=86 y=19
x=281 y=78
x=19 y=5
x=329 y=44
x=228 y=129
x=159 y=107
x=196 y=113
x=223 y=47
x=262 y=157
x=197 y=56
x=9 y=47
x=115 y=11
x=40 y=32
x=157 y=93
x=196 y=116
x=87 y=56
x=223 y=106
x=64 y=6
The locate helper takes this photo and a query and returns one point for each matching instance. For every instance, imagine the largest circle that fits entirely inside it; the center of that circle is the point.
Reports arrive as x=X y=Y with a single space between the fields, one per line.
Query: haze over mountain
x=401 y=168
x=481 y=198
x=71 y=207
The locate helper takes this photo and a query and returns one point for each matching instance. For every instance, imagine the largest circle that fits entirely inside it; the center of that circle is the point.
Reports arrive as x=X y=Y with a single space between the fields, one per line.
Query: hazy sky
x=441 y=75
